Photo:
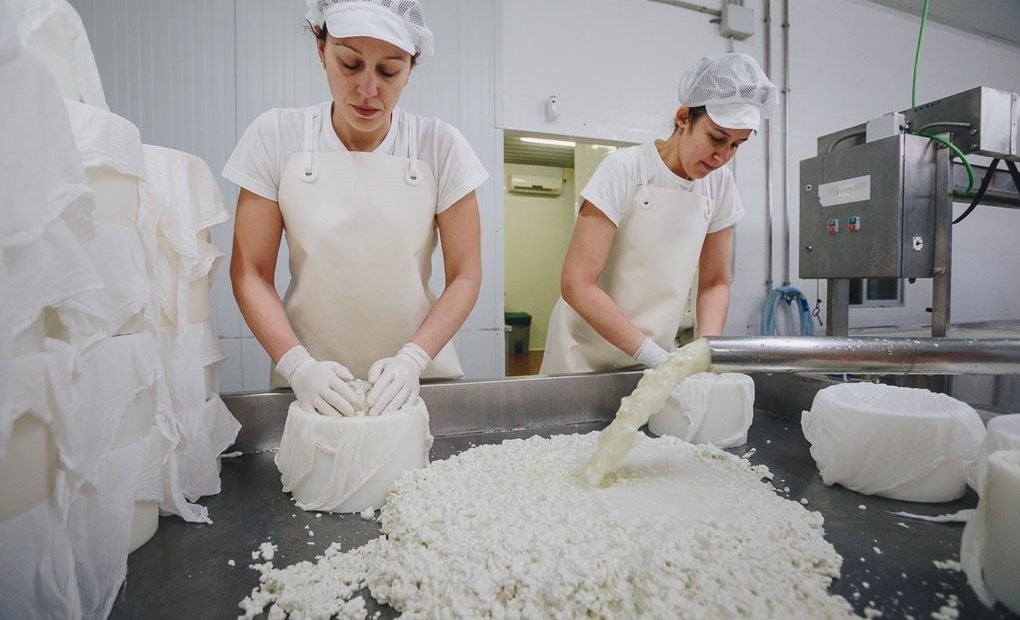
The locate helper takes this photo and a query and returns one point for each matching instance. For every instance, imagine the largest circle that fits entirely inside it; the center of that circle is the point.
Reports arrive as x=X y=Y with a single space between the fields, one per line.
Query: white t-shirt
x=261 y=155
x=615 y=182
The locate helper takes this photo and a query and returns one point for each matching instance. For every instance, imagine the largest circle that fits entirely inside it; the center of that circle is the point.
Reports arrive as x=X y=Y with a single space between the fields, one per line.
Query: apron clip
x=646 y=197
x=309 y=173
x=413 y=176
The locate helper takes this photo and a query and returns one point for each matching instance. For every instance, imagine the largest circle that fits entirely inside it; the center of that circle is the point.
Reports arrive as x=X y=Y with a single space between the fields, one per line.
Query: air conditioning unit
x=537 y=184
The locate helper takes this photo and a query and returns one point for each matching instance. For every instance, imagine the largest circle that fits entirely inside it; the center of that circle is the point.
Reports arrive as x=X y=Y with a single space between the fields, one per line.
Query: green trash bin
x=518 y=326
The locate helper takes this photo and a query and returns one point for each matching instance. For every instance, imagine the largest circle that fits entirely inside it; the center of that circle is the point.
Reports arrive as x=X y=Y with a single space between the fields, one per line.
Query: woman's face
x=704 y=145
x=366 y=77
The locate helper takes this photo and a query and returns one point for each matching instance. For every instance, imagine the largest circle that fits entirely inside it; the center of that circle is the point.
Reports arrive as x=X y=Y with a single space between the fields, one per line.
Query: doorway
x=543 y=175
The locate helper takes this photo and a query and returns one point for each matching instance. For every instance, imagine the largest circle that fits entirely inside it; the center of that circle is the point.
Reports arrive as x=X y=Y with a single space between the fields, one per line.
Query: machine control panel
x=891 y=183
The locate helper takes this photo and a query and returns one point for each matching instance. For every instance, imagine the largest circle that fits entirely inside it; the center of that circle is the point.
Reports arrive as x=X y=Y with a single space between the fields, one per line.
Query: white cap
x=399 y=22
x=735 y=91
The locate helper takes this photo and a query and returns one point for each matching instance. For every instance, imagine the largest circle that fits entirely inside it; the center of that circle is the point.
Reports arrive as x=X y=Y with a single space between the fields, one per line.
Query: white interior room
x=193 y=75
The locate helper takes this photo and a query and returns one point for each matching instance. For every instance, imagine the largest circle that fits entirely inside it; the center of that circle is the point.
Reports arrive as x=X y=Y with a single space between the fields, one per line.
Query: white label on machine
x=845 y=191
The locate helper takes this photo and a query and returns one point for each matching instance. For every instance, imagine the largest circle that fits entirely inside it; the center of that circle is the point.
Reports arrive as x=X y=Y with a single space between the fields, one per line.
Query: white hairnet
x=400 y=22
x=733 y=88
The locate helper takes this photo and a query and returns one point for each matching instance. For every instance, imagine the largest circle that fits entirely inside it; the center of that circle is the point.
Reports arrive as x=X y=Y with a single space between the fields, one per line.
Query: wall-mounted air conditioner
x=537 y=184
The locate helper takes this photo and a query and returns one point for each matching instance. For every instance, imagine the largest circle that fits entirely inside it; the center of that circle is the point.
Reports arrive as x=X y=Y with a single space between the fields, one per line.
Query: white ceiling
x=998 y=19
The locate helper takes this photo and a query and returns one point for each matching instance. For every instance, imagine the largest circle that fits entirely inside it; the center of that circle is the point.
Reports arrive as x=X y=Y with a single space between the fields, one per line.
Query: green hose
x=913 y=103
x=917 y=54
x=966 y=164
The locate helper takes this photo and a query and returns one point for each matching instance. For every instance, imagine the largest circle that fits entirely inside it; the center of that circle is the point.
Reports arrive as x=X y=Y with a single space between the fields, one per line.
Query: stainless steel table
x=183 y=571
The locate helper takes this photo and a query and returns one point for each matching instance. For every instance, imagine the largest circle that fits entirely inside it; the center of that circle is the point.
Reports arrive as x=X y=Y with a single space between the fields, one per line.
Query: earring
x=323 y=65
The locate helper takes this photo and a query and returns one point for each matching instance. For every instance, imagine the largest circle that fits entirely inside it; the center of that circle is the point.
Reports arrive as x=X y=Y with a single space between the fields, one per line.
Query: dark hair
x=693 y=114
x=320 y=33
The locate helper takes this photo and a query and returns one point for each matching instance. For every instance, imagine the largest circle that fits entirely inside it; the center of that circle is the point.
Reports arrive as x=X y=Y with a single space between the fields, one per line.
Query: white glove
x=650 y=354
x=318 y=386
x=395 y=380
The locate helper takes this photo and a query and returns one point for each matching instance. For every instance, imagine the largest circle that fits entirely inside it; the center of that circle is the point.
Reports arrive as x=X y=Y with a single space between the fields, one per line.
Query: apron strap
x=308 y=171
x=646 y=196
x=413 y=176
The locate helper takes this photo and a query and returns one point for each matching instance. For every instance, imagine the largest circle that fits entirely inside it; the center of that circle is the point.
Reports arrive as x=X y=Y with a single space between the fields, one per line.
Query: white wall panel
x=193 y=74
x=852 y=61
x=615 y=64
x=615 y=67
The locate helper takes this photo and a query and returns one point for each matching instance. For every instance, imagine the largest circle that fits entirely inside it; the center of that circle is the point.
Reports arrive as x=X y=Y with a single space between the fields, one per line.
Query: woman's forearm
x=713 y=304
x=263 y=311
x=448 y=314
x=599 y=310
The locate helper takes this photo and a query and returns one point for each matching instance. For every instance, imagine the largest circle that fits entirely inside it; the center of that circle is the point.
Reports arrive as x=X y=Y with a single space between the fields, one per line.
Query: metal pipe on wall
x=888 y=356
x=768 y=155
x=700 y=8
x=786 y=142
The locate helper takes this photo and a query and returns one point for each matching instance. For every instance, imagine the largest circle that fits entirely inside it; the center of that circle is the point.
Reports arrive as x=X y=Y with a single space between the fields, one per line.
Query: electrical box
x=885 y=126
x=736 y=21
x=865 y=211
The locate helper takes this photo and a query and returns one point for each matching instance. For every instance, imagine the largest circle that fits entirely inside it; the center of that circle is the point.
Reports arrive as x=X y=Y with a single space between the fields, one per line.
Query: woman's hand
x=318 y=386
x=396 y=380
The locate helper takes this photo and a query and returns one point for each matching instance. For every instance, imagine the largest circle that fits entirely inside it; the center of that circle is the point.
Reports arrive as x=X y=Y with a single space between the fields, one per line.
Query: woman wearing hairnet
x=360 y=186
x=651 y=217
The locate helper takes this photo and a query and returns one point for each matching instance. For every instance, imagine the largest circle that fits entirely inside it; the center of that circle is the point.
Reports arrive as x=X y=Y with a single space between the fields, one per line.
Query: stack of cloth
x=108 y=408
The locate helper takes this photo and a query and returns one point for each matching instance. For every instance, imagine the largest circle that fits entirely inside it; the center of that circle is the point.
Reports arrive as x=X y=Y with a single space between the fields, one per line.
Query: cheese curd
x=513 y=530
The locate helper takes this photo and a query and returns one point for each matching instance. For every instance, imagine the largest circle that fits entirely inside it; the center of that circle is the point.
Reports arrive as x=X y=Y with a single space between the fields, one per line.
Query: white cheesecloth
x=903 y=443
x=53 y=31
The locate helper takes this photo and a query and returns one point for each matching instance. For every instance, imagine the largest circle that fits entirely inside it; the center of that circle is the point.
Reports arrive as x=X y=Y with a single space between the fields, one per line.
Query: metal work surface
x=183 y=571
x=459 y=407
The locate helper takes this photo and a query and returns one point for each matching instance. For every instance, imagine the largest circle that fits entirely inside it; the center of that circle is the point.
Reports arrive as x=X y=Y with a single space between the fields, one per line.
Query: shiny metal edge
x=461 y=407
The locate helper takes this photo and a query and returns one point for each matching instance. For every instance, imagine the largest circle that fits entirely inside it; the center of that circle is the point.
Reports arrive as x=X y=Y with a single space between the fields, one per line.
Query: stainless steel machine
x=876 y=202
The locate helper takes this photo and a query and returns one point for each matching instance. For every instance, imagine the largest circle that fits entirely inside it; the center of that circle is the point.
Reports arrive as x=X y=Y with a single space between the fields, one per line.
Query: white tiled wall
x=192 y=74
x=615 y=67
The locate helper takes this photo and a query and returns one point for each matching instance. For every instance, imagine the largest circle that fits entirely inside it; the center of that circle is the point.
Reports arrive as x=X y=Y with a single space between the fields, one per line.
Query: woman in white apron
x=361 y=188
x=651 y=217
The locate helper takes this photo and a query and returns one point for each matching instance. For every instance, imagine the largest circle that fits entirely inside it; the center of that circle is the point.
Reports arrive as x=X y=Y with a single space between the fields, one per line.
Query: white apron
x=648 y=274
x=361 y=231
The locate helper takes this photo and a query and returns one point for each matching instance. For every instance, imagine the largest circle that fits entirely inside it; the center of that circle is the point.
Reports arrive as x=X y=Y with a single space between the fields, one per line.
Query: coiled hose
x=767 y=326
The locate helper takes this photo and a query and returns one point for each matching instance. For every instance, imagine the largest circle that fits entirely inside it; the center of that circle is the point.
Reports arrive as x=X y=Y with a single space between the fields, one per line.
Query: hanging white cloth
x=99 y=526
x=53 y=31
x=111 y=153
x=112 y=376
x=180 y=201
x=41 y=383
x=41 y=176
x=56 y=271
x=42 y=583
x=191 y=199
x=206 y=427
x=105 y=139
x=182 y=282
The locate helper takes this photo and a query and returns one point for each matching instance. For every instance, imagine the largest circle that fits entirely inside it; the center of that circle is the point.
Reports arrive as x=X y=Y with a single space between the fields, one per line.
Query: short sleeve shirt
x=259 y=159
x=615 y=182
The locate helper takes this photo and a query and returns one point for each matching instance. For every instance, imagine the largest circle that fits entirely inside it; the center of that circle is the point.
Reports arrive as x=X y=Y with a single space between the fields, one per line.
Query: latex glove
x=395 y=380
x=318 y=386
x=650 y=354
